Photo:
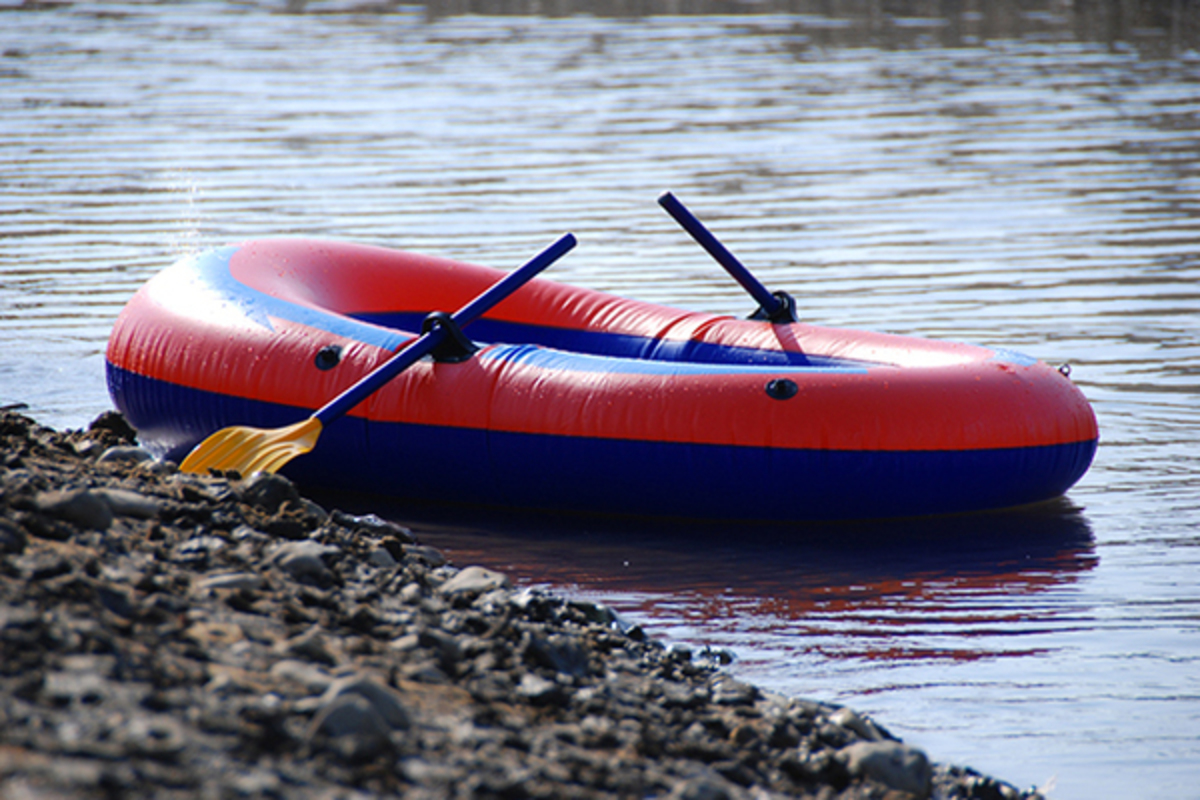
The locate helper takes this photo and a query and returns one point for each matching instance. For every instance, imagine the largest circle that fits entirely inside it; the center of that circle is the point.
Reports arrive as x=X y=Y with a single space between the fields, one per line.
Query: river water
x=1016 y=175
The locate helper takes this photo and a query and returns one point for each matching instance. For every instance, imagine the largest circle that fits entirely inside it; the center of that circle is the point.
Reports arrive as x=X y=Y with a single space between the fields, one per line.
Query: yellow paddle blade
x=251 y=450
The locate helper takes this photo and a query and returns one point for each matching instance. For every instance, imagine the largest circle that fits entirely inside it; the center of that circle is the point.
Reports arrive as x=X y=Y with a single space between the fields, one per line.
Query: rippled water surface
x=1018 y=176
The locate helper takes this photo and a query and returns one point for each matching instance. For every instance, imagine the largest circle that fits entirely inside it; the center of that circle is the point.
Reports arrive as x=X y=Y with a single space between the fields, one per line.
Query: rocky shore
x=168 y=635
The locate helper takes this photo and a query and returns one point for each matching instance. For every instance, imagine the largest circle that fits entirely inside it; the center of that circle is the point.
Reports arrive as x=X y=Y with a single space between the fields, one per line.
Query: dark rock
x=267 y=492
x=382 y=557
x=116 y=599
x=894 y=764
x=311 y=645
x=352 y=727
x=126 y=503
x=386 y=702
x=12 y=538
x=305 y=560
x=563 y=654
x=427 y=555
x=44 y=527
x=116 y=424
x=372 y=525
x=729 y=692
x=77 y=506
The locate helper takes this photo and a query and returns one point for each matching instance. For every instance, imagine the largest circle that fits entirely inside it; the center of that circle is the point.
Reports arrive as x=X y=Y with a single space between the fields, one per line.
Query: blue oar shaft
x=425 y=344
x=769 y=302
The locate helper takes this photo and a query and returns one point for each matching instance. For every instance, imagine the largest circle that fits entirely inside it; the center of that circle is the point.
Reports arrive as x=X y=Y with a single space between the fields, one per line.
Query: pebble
x=312 y=677
x=305 y=559
x=12 y=538
x=126 y=503
x=78 y=506
x=474 y=581
x=268 y=491
x=199 y=548
x=382 y=557
x=352 y=726
x=850 y=719
x=385 y=701
x=730 y=692
x=539 y=690
x=893 y=764
x=706 y=787
x=168 y=635
x=128 y=454
x=311 y=645
x=230 y=581
x=156 y=736
x=374 y=525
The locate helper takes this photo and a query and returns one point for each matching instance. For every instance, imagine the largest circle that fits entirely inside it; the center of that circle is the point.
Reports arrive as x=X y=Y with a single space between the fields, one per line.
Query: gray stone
x=351 y=714
x=126 y=503
x=535 y=688
x=303 y=673
x=125 y=453
x=894 y=764
x=730 y=692
x=381 y=557
x=304 y=559
x=430 y=556
x=81 y=507
x=850 y=720
x=310 y=645
x=199 y=548
x=230 y=580
x=705 y=787
x=314 y=510
x=155 y=736
x=563 y=654
x=474 y=580
x=373 y=525
x=74 y=686
x=386 y=701
x=594 y=612
x=244 y=533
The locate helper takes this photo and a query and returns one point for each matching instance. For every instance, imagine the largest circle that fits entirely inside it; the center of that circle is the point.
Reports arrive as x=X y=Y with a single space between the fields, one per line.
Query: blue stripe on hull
x=428 y=463
x=616 y=345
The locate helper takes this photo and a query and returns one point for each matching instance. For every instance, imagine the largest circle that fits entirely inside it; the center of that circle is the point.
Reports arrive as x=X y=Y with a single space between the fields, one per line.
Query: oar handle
x=773 y=307
x=422 y=346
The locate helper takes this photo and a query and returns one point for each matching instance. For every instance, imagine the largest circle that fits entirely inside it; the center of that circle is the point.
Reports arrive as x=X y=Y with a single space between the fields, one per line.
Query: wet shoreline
x=166 y=635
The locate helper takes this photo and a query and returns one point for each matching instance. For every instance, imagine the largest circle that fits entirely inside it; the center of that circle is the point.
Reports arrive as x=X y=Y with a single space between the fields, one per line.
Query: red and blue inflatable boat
x=582 y=401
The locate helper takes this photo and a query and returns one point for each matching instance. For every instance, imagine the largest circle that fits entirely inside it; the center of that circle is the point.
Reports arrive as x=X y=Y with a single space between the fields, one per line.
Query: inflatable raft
x=581 y=401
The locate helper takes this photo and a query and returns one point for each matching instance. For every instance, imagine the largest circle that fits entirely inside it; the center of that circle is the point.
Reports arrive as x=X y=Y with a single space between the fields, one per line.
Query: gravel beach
x=168 y=635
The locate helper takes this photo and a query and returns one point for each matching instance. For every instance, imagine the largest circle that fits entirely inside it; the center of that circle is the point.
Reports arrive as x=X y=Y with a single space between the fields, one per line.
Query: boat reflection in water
x=943 y=588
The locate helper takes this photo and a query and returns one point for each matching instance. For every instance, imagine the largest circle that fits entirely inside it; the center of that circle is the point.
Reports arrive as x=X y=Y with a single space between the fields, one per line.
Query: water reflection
x=1166 y=26
x=958 y=588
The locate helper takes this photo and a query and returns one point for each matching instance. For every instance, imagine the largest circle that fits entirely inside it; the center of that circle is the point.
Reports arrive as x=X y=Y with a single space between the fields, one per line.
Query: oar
x=249 y=450
x=775 y=307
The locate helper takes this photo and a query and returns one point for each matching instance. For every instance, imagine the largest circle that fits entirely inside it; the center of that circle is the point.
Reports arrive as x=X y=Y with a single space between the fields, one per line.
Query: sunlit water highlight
x=1033 y=190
